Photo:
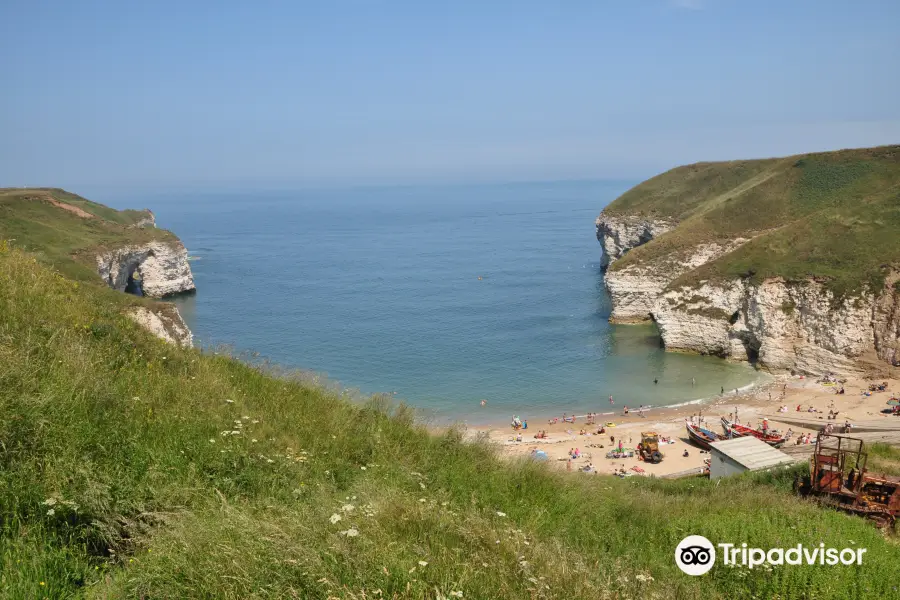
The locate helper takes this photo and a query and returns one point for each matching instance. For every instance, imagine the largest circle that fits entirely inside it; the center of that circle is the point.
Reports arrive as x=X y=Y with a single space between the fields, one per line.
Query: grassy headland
x=834 y=216
x=132 y=468
x=65 y=230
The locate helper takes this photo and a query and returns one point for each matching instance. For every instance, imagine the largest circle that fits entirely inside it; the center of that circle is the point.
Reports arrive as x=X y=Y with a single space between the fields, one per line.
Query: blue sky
x=162 y=94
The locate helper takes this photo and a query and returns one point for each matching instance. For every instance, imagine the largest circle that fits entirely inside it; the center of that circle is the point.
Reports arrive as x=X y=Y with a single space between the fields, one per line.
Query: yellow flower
x=42 y=583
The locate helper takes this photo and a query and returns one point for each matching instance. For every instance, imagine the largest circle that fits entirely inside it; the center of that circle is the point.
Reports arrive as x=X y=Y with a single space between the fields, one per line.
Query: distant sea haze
x=446 y=295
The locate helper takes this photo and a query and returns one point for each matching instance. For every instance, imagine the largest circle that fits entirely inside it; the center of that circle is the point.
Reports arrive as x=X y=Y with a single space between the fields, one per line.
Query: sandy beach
x=752 y=405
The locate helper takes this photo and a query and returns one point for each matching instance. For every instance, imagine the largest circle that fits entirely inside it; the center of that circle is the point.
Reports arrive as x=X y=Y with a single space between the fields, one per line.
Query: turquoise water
x=378 y=288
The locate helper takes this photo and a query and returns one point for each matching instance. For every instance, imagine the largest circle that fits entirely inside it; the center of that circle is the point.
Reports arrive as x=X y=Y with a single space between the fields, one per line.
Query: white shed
x=735 y=456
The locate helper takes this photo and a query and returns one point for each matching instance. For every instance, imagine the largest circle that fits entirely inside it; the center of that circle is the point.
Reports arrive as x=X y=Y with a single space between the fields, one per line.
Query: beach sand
x=751 y=405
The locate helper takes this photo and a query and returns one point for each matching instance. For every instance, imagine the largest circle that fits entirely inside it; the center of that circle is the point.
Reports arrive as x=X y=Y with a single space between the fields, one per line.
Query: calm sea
x=445 y=295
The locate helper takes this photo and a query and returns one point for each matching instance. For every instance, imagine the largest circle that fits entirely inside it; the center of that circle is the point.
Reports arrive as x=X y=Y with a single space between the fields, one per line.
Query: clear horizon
x=285 y=96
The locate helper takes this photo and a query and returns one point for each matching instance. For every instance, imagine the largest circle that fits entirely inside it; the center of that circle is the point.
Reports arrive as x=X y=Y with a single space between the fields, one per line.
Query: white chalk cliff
x=782 y=326
x=167 y=325
x=161 y=267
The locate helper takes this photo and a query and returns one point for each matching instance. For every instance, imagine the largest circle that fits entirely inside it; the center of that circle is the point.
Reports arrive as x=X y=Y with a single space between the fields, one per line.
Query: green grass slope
x=65 y=230
x=133 y=469
x=831 y=215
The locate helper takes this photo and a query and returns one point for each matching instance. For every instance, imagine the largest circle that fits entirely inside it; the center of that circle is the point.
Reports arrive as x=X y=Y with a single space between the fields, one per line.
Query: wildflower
x=362 y=468
x=255 y=421
x=335 y=518
x=421 y=499
x=245 y=418
x=643 y=578
x=352 y=532
x=348 y=508
x=51 y=512
x=269 y=460
x=421 y=485
x=253 y=441
x=42 y=583
x=501 y=514
x=212 y=440
x=49 y=502
x=422 y=563
x=229 y=401
x=457 y=594
x=235 y=432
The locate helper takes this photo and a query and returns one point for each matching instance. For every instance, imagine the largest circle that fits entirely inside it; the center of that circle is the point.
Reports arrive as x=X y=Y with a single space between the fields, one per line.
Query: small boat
x=702 y=437
x=733 y=430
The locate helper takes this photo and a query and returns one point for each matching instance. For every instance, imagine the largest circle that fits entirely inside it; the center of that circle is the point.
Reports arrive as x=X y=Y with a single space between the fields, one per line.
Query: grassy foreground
x=828 y=215
x=133 y=469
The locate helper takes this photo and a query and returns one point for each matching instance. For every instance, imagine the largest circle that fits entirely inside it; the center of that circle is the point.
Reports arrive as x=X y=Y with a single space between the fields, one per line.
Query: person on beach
x=569 y=465
x=626 y=410
x=723 y=390
x=641 y=411
x=693 y=381
x=655 y=381
x=611 y=401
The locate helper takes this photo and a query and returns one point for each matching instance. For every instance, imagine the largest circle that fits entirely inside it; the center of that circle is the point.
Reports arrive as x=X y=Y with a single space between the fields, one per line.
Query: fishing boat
x=702 y=437
x=733 y=430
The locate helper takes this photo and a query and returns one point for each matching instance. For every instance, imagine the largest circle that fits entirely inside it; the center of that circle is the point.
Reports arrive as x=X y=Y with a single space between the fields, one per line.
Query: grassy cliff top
x=828 y=215
x=65 y=230
x=133 y=469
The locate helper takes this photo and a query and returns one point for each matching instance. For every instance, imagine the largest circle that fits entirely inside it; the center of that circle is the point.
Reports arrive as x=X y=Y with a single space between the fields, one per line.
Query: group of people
x=518 y=423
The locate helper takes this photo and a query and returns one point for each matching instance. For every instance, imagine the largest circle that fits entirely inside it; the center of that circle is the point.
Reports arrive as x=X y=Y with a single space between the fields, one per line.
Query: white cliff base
x=161 y=267
x=784 y=326
x=166 y=325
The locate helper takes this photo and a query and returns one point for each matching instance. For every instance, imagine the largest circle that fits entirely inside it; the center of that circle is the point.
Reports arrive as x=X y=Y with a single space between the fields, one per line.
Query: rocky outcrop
x=166 y=324
x=785 y=326
x=782 y=326
x=147 y=221
x=619 y=234
x=160 y=268
x=635 y=288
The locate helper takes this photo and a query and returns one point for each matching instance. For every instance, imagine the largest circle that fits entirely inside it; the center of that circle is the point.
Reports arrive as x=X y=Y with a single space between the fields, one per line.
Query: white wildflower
x=457 y=594
x=229 y=401
x=269 y=460
x=643 y=578
x=235 y=432
x=422 y=563
x=51 y=512
x=245 y=418
x=501 y=514
x=49 y=502
x=362 y=468
x=421 y=485
x=421 y=499
x=255 y=421
x=335 y=518
x=348 y=508
x=212 y=440
x=352 y=532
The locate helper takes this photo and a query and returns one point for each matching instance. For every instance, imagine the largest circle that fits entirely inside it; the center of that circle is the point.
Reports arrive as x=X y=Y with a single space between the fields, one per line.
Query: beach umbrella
x=893 y=402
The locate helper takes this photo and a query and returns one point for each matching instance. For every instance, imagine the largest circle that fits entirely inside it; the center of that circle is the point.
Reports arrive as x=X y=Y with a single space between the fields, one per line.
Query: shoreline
x=758 y=400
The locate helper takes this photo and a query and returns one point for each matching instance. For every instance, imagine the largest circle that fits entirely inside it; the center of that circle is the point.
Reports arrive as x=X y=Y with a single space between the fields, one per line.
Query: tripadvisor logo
x=696 y=555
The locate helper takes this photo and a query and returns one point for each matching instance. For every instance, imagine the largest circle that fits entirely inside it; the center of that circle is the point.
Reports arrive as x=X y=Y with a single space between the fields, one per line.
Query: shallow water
x=379 y=289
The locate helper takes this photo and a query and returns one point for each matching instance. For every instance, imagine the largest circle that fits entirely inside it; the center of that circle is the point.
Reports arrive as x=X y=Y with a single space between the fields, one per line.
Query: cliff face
x=783 y=326
x=161 y=267
x=793 y=263
x=619 y=234
x=164 y=324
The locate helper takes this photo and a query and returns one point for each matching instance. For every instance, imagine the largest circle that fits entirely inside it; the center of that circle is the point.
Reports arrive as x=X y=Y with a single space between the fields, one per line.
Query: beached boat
x=702 y=437
x=737 y=430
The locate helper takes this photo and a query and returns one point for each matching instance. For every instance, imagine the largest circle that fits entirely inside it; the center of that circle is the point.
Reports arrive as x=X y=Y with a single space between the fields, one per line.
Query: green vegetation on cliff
x=834 y=216
x=65 y=230
x=130 y=468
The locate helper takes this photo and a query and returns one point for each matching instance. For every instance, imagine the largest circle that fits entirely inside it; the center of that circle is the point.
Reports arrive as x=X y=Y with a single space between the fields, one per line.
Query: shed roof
x=751 y=453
